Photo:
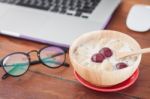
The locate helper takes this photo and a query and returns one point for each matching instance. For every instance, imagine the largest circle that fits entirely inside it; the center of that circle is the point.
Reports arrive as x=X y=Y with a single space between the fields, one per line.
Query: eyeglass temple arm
x=32 y=63
x=37 y=62
x=0 y=62
x=5 y=75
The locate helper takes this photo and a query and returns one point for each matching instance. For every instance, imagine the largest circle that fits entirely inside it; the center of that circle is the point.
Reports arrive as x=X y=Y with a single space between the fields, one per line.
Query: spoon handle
x=125 y=54
x=144 y=50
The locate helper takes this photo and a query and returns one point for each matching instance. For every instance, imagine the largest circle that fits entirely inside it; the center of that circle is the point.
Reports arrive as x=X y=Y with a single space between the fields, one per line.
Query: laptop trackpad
x=20 y=19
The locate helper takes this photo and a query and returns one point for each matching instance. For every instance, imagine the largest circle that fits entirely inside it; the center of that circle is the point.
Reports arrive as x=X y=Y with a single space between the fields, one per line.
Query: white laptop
x=54 y=21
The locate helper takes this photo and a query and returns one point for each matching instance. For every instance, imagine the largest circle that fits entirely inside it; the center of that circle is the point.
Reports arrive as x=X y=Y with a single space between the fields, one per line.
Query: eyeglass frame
x=34 y=62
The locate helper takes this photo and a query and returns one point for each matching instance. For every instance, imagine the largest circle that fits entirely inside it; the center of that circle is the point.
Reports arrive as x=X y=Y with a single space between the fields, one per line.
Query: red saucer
x=117 y=87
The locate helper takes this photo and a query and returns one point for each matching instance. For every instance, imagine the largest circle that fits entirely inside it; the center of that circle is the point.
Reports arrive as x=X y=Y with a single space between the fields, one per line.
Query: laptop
x=54 y=21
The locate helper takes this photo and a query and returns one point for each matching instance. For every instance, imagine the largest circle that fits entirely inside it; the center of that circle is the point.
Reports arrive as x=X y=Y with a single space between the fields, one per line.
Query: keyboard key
x=84 y=16
x=63 y=10
x=78 y=13
x=64 y=2
x=71 y=11
x=69 y=14
x=85 y=10
x=55 y=9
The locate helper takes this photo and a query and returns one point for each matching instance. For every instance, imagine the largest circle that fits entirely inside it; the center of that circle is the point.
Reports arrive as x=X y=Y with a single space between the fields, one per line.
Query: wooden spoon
x=125 y=54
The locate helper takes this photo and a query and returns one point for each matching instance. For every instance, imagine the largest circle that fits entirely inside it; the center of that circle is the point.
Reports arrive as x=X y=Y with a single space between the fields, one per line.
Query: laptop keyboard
x=78 y=8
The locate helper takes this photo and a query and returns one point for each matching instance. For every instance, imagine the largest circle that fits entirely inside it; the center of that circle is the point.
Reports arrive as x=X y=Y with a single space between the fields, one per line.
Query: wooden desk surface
x=44 y=83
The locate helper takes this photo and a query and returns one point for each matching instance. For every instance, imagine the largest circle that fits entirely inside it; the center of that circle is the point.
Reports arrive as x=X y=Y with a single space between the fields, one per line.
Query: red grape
x=121 y=65
x=106 y=52
x=97 y=58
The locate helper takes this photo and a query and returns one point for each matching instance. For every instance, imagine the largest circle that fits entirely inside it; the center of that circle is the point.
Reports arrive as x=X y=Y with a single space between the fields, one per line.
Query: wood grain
x=41 y=82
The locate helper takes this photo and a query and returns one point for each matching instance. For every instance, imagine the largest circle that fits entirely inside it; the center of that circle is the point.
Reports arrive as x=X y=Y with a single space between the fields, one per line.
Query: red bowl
x=117 y=87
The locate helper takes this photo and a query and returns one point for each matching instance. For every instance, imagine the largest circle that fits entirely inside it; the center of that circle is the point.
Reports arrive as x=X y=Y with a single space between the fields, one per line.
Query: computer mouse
x=138 y=18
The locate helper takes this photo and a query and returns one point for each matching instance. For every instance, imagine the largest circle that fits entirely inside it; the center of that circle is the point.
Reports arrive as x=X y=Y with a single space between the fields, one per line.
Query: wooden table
x=41 y=82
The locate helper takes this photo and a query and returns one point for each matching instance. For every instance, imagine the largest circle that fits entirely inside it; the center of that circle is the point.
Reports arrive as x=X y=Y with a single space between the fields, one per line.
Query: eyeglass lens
x=16 y=64
x=52 y=56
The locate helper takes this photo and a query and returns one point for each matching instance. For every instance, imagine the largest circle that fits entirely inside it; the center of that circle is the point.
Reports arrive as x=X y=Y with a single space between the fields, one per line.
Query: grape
x=106 y=52
x=121 y=65
x=97 y=58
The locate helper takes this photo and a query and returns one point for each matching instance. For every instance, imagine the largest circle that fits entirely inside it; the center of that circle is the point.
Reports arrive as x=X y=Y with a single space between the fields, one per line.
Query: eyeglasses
x=16 y=64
